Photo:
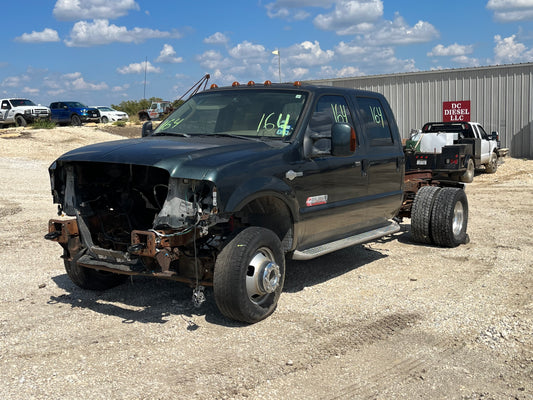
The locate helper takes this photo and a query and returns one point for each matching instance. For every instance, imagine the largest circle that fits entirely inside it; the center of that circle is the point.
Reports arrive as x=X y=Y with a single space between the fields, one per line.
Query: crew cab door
x=330 y=190
x=385 y=166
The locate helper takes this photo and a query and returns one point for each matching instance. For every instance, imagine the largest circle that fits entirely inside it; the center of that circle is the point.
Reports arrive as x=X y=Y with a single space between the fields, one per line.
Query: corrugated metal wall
x=500 y=99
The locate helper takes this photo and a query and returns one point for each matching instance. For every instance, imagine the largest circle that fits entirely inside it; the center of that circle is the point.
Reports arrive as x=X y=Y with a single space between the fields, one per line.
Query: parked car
x=108 y=114
x=73 y=112
x=21 y=112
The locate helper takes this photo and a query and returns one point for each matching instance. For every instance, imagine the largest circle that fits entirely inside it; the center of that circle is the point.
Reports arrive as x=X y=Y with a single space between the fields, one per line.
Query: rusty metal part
x=59 y=230
x=171 y=275
x=165 y=257
x=151 y=242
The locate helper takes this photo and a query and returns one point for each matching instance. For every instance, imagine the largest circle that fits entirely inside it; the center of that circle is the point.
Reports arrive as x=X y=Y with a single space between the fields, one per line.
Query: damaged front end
x=136 y=220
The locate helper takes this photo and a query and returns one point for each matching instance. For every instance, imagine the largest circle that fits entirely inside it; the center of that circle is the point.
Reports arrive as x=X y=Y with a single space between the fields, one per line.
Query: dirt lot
x=386 y=320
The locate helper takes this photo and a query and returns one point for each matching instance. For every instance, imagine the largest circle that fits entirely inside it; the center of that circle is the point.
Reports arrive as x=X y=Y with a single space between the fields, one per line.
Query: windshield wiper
x=172 y=134
x=232 y=135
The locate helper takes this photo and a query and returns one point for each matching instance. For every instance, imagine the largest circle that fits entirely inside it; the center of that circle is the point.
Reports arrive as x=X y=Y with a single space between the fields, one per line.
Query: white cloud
x=511 y=10
x=30 y=91
x=371 y=58
x=168 y=55
x=98 y=32
x=400 y=33
x=307 y=54
x=466 y=61
x=213 y=60
x=247 y=50
x=71 y=76
x=216 y=38
x=138 y=68
x=293 y=10
x=349 y=13
x=81 y=84
x=122 y=88
x=47 y=35
x=71 y=10
x=451 y=50
x=507 y=51
x=15 y=81
x=346 y=71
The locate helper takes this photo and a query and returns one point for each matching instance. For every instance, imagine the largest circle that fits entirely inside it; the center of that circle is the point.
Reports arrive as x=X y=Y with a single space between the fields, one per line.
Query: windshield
x=254 y=113
x=75 y=104
x=22 y=102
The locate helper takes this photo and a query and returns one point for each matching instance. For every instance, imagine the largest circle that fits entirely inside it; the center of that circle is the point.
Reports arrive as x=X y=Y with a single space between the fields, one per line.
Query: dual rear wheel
x=439 y=216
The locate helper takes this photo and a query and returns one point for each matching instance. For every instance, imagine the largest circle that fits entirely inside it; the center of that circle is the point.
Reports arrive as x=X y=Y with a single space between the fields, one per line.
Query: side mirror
x=147 y=129
x=494 y=136
x=342 y=140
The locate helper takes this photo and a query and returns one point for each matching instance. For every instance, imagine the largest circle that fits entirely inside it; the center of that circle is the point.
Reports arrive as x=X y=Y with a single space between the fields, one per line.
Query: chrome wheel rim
x=263 y=276
x=458 y=218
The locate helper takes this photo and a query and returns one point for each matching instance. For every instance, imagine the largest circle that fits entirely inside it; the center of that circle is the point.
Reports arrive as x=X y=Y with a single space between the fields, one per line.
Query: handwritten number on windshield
x=280 y=126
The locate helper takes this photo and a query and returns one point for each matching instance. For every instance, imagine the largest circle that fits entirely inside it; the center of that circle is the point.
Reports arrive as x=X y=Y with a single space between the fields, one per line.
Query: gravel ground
x=386 y=320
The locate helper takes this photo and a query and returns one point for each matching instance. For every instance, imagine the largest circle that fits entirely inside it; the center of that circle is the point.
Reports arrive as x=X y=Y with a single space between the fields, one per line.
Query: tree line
x=132 y=107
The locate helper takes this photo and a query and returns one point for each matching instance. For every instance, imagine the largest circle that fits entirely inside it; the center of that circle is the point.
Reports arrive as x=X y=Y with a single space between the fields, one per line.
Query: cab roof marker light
x=214 y=86
x=297 y=83
x=268 y=83
x=251 y=83
x=235 y=84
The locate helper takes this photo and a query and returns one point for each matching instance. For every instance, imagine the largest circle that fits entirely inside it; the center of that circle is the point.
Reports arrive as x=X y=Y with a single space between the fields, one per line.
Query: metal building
x=500 y=99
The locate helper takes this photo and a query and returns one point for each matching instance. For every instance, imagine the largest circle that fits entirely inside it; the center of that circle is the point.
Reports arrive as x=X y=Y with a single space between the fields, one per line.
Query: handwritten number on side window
x=377 y=116
x=340 y=113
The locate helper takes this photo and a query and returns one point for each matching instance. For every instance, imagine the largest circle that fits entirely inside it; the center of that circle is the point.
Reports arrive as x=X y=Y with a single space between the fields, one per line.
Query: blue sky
x=97 y=51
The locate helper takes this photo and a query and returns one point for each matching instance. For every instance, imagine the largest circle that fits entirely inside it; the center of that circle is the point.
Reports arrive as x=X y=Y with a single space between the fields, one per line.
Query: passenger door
x=330 y=190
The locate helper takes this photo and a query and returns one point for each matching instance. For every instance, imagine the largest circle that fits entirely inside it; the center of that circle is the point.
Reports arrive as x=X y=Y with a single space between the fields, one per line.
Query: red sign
x=456 y=111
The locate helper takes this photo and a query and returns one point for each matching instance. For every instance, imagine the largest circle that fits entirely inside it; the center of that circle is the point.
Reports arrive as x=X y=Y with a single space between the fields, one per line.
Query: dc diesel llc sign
x=453 y=111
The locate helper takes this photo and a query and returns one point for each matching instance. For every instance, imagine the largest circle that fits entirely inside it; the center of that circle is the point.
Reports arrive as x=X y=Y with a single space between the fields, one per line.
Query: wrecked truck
x=237 y=180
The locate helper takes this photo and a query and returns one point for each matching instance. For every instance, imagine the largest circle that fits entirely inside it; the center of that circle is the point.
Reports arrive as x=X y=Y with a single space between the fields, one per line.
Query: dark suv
x=73 y=112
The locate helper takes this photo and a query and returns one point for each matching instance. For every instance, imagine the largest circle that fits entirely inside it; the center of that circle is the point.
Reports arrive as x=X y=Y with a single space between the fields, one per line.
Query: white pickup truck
x=454 y=149
x=21 y=112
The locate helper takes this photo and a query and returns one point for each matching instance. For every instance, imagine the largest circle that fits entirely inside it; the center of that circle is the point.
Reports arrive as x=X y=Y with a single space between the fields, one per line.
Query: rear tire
x=421 y=214
x=449 y=217
x=468 y=175
x=492 y=166
x=105 y=120
x=91 y=279
x=249 y=275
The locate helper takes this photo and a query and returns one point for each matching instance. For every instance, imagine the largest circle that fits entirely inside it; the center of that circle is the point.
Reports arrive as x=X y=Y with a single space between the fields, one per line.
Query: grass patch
x=119 y=123
x=43 y=124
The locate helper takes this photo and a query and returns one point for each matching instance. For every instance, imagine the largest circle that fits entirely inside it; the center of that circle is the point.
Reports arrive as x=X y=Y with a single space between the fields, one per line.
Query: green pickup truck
x=235 y=181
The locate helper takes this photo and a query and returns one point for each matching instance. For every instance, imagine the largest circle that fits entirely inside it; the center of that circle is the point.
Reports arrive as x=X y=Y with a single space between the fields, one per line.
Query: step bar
x=318 y=251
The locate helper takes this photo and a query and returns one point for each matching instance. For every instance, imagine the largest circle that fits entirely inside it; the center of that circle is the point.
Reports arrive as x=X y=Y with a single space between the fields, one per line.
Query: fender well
x=268 y=203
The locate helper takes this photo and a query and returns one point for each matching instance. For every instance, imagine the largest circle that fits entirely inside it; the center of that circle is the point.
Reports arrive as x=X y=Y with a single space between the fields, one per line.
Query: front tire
x=91 y=279
x=20 y=121
x=75 y=120
x=105 y=120
x=249 y=275
x=449 y=218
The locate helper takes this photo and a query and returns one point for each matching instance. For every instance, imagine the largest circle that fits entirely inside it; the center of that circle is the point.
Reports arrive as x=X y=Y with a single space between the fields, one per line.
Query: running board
x=318 y=251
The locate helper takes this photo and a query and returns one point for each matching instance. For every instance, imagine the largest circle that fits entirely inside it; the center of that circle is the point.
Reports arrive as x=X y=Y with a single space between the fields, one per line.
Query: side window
x=483 y=133
x=328 y=111
x=375 y=121
x=5 y=105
